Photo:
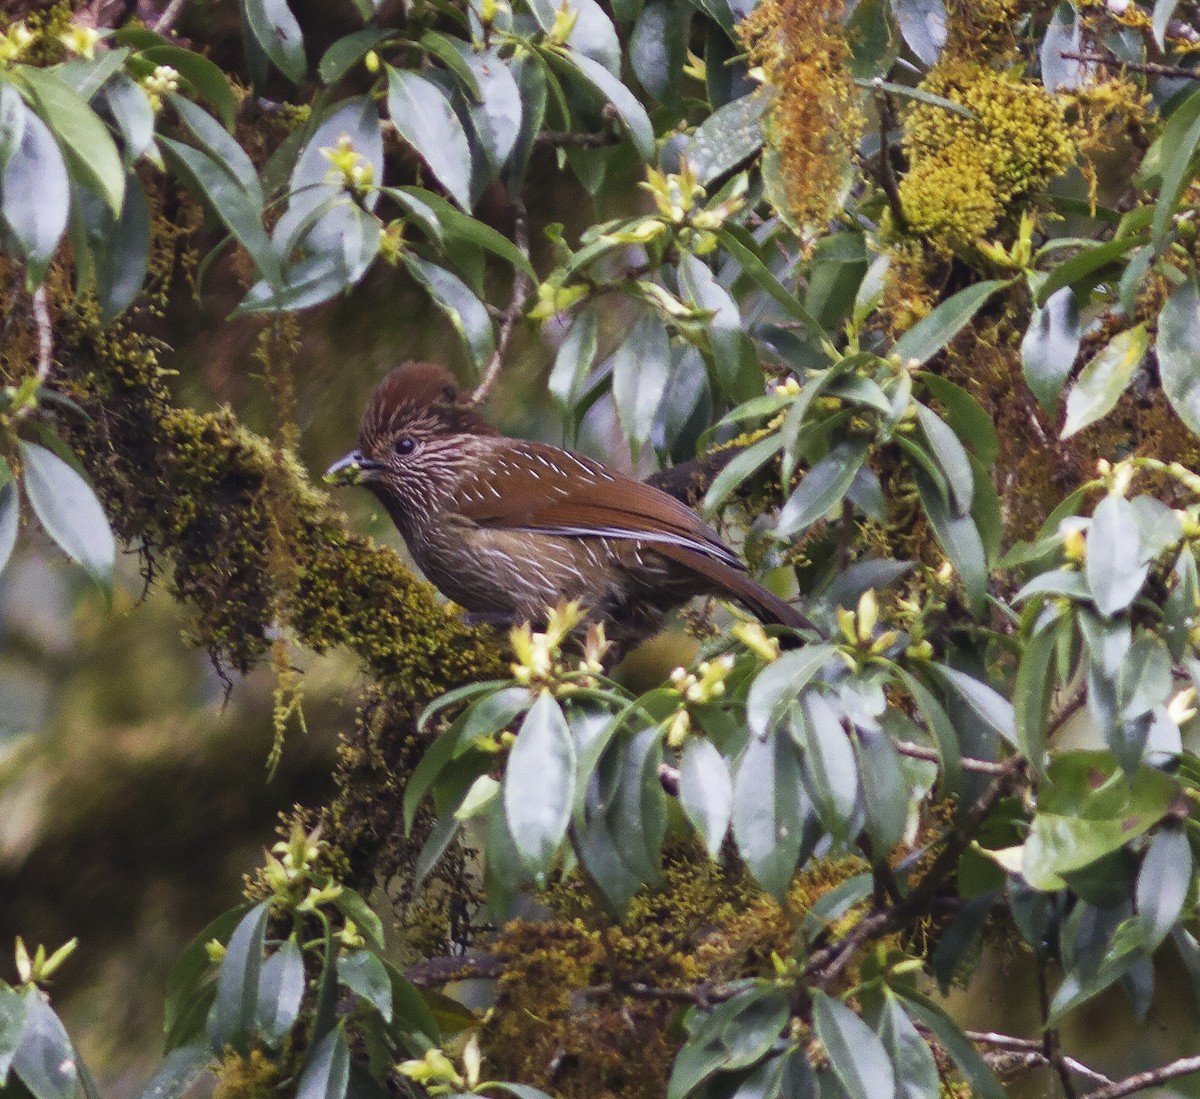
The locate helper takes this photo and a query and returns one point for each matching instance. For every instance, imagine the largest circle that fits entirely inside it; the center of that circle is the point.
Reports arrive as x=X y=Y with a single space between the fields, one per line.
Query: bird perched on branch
x=508 y=528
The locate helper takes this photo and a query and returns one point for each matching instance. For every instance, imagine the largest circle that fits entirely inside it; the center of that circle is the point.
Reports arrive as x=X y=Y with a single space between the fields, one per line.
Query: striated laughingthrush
x=507 y=528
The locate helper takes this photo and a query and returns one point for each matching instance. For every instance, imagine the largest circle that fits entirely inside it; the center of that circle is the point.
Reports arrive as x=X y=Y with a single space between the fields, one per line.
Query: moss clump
x=253 y=1077
x=814 y=121
x=965 y=176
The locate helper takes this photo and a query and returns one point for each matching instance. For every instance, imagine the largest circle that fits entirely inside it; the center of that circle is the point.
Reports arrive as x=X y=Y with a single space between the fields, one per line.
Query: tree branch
x=1150 y=68
x=514 y=309
x=1139 y=1081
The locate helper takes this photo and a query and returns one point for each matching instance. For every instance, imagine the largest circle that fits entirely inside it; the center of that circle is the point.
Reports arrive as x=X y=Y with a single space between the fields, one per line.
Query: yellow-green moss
x=966 y=176
x=253 y=1077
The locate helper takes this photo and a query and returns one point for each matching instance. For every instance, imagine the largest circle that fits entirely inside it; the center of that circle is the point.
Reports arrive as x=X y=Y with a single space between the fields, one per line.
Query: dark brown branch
x=883 y=172
x=560 y=139
x=1150 y=68
x=516 y=304
x=170 y=16
x=436 y=972
x=1029 y=1047
x=1051 y=1040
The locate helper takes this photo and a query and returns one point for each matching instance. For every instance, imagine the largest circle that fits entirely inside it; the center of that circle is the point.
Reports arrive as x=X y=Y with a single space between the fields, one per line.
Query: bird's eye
x=405 y=446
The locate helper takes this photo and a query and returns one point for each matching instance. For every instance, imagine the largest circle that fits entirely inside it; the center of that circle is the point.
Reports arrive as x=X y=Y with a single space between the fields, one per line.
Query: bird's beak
x=351 y=469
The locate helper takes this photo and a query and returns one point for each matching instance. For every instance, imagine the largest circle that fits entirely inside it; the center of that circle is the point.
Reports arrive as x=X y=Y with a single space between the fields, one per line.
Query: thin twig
x=434 y=972
x=1150 y=68
x=1051 y=1041
x=919 y=751
x=1030 y=1046
x=45 y=335
x=516 y=304
x=885 y=175
x=1139 y=1081
x=170 y=16
x=559 y=139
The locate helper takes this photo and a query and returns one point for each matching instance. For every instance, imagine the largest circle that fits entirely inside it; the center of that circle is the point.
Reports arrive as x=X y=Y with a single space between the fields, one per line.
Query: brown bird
x=507 y=528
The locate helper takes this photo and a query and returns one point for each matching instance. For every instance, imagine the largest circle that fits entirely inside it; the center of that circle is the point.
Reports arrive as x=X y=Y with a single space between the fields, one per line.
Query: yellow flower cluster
x=814 y=121
x=965 y=175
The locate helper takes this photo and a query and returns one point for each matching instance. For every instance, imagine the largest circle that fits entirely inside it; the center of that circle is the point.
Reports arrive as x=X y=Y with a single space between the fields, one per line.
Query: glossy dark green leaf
x=1101 y=383
x=770 y=811
x=10 y=515
x=216 y=141
x=829 y=767
x=781 y=682
x=409 y=1007
x=857 y=1056
x=45 y=1060
x=724 y=329
x=885 y=792
x=348 y=51
x=1144 y=681
x=1162 y=884
x=637 y=813
x=12 y=122
x=960 y=539
x=990 y=707
x=275 y=29
x=497 y=116
x=706 y=792
x=1114 y=568
x=193 y=964
x=1063 y=35
x=1031 y=695
x=1178 y=352
x=923 y=27
x=640 y=371
x=658 y=47
x=1180 y=138
x=531 y=76
x=35 y=196
x=1085 y=268
x=747 y=463
x=951 y=457
x=822 y=488
x=574 y=359
x=758 y=272
x=466 y=313
x=729 y=136
x=752 y=1019
x=915 y=1069
x=68 y=510
x=352 y=905
x=364 y=975
x=178 y=1071
x=280 y=992
x=593 y=34
x=975 y=1070
x=84 y=139
x=425 y=118
x=122 y=258
x=12 y=1022
x=631 y=113
x=1050 y=345
x=941 y=728
x=232 y=1019
x=226 y=196
x=930 y=334
x=328 y=1070
x=539 y=783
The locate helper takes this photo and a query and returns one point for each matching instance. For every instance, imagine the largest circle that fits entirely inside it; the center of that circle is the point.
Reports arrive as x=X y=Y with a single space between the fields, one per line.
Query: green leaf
x=131 y=112
x=1031 y=695
x=539 y=783
x=178 y=1071
x=215 y=141
x=275 y=29
x=857 y=1056
x=830 y=769
x=975 y=1071
x=497 y=115
x=747 y=463
x=455 y=298
x=364 y=975
x=918 y=94
x=1178 y=352
x=593 y=34
x=781 y=682
x=729 y=136
x=930 y=334
x=1050 y=345
x=1163 y=11
x=12 y=122
x=637 y=815
x=631 y=113
x=658 y=48
x=725 y=331
x=885 y=791
x=1162 y=884
x=85 y=140
x=410 y=1008
x=951 y=457
x=352 y=905
x=68 y=510
x=1082 y=270
x=1114 y=568
x=770 y=811
x=912 y=1060
x=922 y=25
x=45 y=1060
x=640 y=372
x=822 y=488
x=327 y=1073
x=35 y=196
x=192 y=966
x=757 y=271
x=228 y=199
x=280 y=992
x=940 y=726
x=1180 y=137
x=424 y=117
x=960 y=539
x=123 y=256
x=348 y=51
x=574 y=359
x=10 y=514
x=1103 y=380
x=987 y=704
x=706 y=792
x=203 y=75
x=232 y=1018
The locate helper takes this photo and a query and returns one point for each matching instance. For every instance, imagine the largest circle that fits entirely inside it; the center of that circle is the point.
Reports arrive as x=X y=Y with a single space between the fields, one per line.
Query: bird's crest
x=424 y=391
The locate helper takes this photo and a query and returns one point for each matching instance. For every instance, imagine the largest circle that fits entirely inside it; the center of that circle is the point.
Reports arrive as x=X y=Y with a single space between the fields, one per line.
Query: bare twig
x=1031 y=1047
x=45 y=334
x=1150 y=68
x=560 y=139
x=170 y=16
x=1139 y=1081
x=516 y=304
x=919 y=751
x=884 y=174
x=1051 y=1041
x=435 y=972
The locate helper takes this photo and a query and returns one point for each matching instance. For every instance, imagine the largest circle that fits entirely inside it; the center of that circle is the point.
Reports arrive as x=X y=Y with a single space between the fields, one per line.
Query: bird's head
x=416 y=439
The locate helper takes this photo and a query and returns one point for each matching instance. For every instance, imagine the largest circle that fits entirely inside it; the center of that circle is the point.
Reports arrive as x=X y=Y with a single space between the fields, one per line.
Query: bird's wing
x=535 y=487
